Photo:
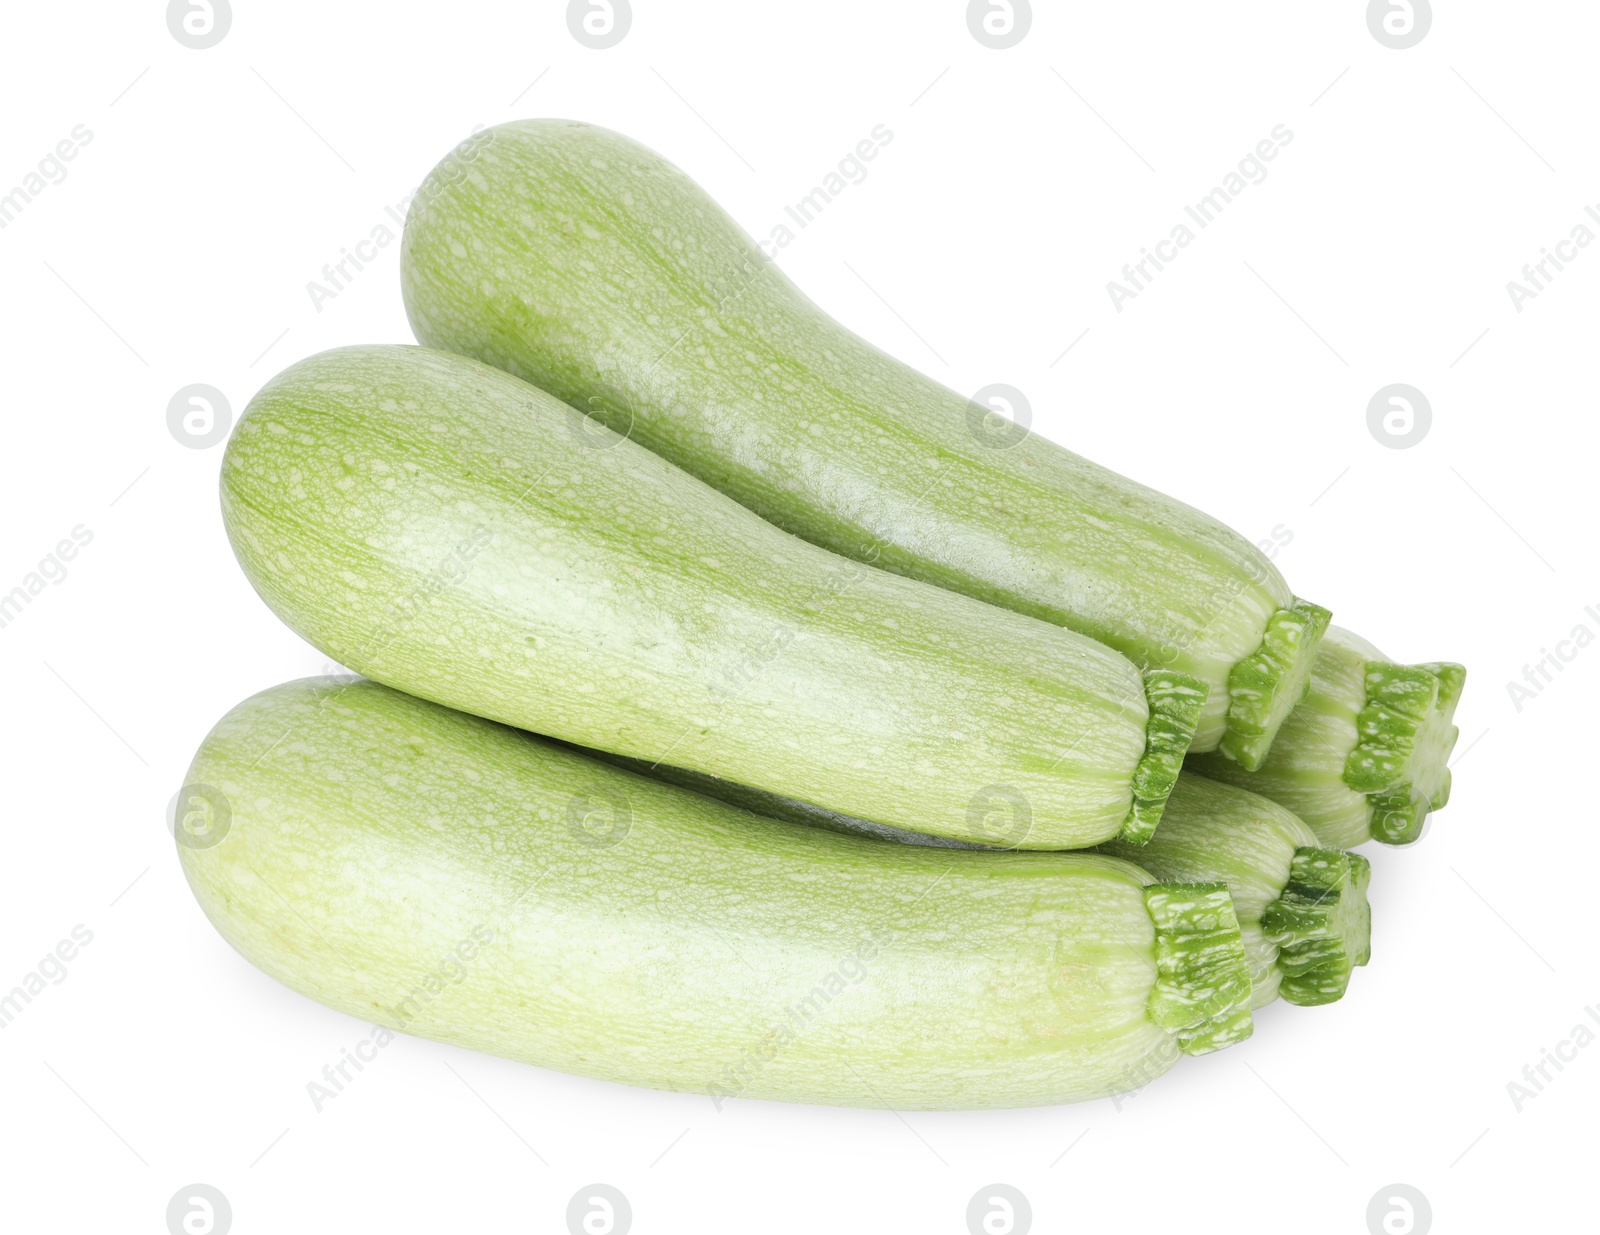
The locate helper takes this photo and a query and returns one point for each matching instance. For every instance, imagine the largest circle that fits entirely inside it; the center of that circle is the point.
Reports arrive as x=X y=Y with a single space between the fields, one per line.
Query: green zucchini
x=1302 y=908
x=582 y=261
x=1366 y=755
x=446 y=529
x=1000 y=822
x=432 y=872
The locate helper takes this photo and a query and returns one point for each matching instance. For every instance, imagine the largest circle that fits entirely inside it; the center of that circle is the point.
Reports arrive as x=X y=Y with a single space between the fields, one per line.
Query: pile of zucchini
x=738 y=713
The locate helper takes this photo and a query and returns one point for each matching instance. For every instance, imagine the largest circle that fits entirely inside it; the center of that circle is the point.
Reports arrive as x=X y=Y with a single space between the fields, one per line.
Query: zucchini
x=446 y=529
x=1366 y=755
x=432 y=872
x=582 y=261
x=1302 y=908
x=808 y=814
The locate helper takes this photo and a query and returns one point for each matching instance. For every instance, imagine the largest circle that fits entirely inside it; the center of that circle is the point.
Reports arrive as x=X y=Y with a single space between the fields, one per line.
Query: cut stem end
x=1202 y=991
x=1265 y=686
x=1175 y=701
x=1322 y=924
x=1406 y=734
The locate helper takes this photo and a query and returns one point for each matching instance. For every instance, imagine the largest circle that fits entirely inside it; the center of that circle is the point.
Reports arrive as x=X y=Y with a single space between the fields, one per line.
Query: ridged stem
x=1365 y=755
x=1202 y=991
x=1406 y=733
x=1322 y=924
x=1175 y=701
x=1265 y=686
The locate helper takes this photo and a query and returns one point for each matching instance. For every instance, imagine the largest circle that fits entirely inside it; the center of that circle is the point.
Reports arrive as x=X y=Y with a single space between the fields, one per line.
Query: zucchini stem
x=1366 y=754
x=1175 y=701
x=1322 y=924
x=1202 y=991
x=1407 y=731
x=1265 y=686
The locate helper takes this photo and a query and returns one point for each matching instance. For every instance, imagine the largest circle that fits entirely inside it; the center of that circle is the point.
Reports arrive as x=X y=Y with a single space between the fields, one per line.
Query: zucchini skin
x=446 y=529
x=584 y=262
x=1302 y=909
x=430 y=871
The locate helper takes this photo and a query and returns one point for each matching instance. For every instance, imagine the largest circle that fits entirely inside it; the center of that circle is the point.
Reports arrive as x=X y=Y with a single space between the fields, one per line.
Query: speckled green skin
x=429 y=871
x=586 y=263
x=1366 y=754
x=1302 y=909
x=446 y=529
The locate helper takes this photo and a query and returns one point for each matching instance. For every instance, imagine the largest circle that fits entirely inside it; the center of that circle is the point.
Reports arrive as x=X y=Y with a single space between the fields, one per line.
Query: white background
x=178 y=248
